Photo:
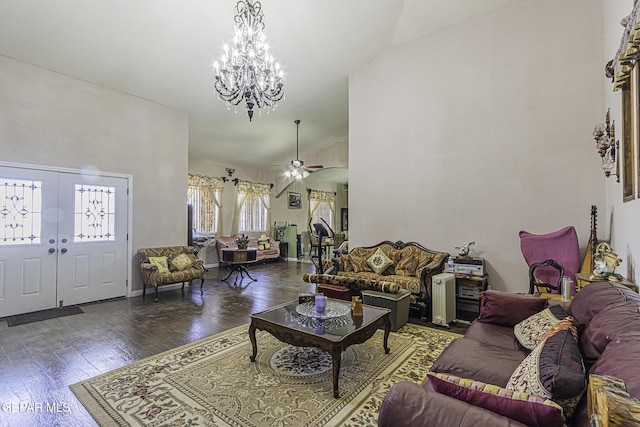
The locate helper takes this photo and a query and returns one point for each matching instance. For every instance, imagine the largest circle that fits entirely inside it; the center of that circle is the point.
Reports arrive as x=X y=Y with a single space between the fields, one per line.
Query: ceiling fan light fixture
x=297 y=169
x=247 y=71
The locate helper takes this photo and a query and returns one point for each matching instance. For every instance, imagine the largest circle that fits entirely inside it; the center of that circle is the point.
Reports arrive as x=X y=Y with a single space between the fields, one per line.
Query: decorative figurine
x=463 y=249
x=356 y=307
x=605 y=260
x=263 y=242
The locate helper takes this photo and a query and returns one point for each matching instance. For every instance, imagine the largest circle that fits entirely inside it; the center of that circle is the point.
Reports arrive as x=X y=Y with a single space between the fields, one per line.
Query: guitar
x=587 y=263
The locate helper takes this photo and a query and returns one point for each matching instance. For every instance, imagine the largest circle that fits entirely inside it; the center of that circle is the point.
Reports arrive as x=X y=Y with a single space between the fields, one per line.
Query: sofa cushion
x=620 y=321
x=407 y=263
x=182 y=261
x=379 y=261
x=508 y=309
x=598 y=296
x=409 y=404
x=530 y=331
x=493 y=335
x=530 y=409
x=359 y=264
x=554 y=369
x=160 y=262
x=467 y=358
x=410 y=283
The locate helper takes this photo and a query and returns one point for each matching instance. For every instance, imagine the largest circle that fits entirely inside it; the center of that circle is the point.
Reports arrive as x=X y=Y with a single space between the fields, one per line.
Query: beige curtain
x=264 y=192
x=629 y=50
x=244 y=190
x=317 y=197
x=210 y=189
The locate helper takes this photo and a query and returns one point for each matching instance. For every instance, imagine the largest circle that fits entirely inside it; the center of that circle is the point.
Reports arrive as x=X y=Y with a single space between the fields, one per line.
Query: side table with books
x=471 y=279
x=468 y=288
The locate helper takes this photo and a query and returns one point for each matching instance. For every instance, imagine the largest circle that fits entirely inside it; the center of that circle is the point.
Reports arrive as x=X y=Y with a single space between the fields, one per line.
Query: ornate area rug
x=211 y=382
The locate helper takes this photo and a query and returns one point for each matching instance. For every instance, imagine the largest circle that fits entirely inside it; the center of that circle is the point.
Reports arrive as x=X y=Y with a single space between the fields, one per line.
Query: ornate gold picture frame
x=629 y=129
x=628 y=142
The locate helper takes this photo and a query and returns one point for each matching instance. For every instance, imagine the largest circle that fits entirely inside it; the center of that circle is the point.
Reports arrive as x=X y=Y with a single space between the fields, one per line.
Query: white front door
x=92 y=238
x=63 y=239
x=28 y=239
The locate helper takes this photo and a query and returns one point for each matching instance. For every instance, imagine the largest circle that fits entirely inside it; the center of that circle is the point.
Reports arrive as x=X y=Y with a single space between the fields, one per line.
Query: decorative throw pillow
x=182 y=261
x=530 y=331
x=160 y=262
x=527 y=408
x=554 y=368
x=379 y=262
x=508 y=309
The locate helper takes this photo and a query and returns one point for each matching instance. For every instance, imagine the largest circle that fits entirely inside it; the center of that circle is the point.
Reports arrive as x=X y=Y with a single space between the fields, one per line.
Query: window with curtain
x=253 y=208
x=322 y=204
x=205 y=195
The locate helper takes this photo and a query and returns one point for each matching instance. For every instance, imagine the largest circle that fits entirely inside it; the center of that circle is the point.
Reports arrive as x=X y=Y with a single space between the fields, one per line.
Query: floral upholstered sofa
x=409 y=265
x=264 y=253
x=169 y=264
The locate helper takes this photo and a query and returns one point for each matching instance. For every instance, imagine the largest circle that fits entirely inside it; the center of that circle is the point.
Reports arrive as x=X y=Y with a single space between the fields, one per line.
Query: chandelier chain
x=248 y=71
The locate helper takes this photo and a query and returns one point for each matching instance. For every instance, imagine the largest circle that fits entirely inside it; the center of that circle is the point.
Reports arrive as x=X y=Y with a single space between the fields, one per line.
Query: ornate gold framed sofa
x=179 y=265
x=409 y=265
x=271 y=253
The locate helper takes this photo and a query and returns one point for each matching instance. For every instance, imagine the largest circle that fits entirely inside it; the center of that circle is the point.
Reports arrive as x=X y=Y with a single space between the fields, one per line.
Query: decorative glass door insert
x=95 y=211
x=20 y=212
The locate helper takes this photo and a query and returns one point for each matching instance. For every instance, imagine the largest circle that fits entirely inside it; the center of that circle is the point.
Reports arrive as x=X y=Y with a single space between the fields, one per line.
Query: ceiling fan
x=298 y=170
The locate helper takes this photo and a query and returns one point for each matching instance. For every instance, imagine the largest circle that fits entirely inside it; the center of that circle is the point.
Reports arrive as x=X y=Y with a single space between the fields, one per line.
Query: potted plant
x=242 y=242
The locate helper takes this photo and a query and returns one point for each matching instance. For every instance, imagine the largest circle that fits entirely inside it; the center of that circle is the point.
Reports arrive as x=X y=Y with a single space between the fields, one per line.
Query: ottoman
x=337 y=291
x=397 y=303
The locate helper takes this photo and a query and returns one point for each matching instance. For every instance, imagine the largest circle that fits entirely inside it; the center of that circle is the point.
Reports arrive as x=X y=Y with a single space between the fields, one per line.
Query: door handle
x=63 y=250
x=51 y=250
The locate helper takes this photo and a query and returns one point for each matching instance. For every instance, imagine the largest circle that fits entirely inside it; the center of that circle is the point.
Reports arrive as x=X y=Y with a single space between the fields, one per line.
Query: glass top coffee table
x=333 y=332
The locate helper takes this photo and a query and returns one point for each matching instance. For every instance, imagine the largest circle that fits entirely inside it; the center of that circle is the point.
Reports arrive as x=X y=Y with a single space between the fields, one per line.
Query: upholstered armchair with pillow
x=167 y=265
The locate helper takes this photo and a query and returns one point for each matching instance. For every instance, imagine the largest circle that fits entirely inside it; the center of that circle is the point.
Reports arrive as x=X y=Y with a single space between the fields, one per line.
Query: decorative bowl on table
x=333 y=309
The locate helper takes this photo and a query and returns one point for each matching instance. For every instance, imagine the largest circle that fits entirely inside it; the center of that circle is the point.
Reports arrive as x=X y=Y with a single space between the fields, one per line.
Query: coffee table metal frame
x=282 y=322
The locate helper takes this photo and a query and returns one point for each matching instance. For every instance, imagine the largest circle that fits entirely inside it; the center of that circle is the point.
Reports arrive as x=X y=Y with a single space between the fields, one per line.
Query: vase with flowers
x=242 y=242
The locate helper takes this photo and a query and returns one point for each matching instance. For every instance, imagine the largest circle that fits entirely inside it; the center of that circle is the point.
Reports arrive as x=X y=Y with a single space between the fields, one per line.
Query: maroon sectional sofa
x=604 y=339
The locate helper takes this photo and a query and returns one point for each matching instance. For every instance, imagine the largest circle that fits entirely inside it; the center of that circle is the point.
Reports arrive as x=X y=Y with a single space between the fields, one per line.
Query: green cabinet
x=291 y=237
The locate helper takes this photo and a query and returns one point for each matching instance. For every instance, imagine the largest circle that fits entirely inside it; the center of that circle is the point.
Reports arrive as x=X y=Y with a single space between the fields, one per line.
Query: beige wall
x=52 y=120
x=619 y=222
x=480 y=131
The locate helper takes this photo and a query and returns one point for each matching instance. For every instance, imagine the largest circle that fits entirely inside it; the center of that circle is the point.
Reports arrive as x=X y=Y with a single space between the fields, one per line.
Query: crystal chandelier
x=247 y=70
x=606 y=144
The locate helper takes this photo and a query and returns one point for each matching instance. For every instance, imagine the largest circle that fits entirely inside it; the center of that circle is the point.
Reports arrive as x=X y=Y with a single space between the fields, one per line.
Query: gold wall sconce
x=608 y=146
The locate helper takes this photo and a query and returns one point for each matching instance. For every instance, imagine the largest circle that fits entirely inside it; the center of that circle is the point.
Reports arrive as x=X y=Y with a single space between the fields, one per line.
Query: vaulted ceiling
x=163 y=51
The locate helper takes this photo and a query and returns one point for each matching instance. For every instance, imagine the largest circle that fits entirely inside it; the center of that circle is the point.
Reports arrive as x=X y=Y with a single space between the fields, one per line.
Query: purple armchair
x=560 y=246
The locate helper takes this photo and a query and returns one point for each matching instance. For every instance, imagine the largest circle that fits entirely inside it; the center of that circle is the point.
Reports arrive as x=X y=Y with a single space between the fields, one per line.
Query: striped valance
x=629 y=50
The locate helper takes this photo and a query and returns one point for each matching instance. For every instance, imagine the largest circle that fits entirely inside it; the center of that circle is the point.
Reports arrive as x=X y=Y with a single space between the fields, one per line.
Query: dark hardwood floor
x=38 y=361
